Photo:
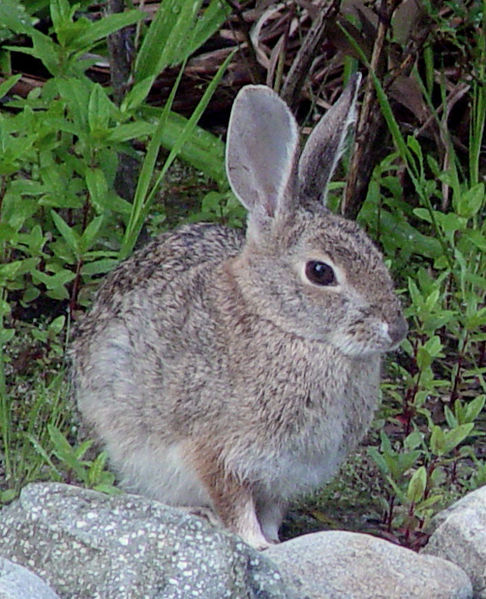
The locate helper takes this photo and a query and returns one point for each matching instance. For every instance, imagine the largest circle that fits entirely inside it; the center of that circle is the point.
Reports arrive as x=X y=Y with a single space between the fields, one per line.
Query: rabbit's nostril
x=398 y=329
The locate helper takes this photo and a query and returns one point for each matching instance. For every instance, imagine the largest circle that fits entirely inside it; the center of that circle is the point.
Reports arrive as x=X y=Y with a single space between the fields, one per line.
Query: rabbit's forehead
x=346 y=245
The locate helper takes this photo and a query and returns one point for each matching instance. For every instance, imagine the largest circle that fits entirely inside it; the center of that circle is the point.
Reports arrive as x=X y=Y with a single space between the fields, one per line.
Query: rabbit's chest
x=329 y=424
x=312 y=458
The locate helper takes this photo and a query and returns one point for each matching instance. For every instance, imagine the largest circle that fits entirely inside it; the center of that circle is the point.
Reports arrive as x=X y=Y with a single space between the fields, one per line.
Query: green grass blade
x=478 y=112
x=168 y=32
x=189 y=128
x=203 y=150
x=143 y=198
x=44 y=455
x=214 y=16
x=106 y=26
x=148 y=166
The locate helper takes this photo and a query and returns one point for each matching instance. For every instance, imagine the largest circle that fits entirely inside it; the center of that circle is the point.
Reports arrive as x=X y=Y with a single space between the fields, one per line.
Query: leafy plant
x=91 y=473
x=439 y=405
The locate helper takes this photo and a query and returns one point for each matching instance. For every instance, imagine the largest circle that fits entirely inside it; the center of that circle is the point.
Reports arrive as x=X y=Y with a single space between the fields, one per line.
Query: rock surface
x=88 y=545
x=346 y=565
x=17 y=582
x=460 y=536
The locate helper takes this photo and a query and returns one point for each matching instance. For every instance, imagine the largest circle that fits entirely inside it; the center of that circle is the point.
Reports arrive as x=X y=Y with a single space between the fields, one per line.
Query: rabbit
x=236 y=371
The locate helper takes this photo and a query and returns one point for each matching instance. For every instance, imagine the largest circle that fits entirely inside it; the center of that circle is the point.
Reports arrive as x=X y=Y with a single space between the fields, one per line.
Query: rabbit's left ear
x=261 y=151
x=325 y=145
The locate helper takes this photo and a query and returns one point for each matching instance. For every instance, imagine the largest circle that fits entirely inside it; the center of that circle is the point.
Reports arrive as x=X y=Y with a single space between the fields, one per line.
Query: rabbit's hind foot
x=232 y=498
x=248 y=527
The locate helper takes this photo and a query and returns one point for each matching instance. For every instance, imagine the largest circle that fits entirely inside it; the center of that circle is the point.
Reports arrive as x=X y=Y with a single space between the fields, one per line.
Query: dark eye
x=320 y=273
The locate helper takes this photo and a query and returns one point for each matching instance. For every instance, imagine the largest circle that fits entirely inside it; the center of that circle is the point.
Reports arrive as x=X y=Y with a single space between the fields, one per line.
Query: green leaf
x=136 y=95
x=14 y=16
x=57 y=324
x=429 y=502
x=437 y=441
x=413 y=440
x=109 y=489
x=8 y=495
x=97 y=187
x=456 y=436
x=7 y=85
x=6 y=335
x=172 y=26
x=54 y=282
x=44 y=49
x=96 y=469
x=81 y=450
x=99 y=267
x=470 y=202
x=43 y=453
x=100 y=109
x=130 y=131
x=142 y=203
x=477 y=238
x=68 y=233
x=214 y=16
x=476 y=320
x=9 y=271
x=76 y=94
x=90 y=234
x=396 y=489
x=61 y=14
x=106 y=26
x=475 y=407
x=379 y=460
x=417 y=485
x=64 y=452
x=450 y=418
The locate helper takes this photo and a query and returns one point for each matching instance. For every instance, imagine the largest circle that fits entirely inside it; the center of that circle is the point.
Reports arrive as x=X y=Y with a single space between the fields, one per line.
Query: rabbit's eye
x=320 y=273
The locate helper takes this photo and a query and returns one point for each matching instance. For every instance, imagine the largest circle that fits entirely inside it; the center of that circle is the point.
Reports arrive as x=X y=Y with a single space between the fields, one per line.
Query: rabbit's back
x=162 y=259
x=141 y=327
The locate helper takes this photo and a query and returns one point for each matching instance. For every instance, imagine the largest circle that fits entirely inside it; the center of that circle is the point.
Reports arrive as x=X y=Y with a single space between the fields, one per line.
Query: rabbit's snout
x=397 y=329
x=394 y=326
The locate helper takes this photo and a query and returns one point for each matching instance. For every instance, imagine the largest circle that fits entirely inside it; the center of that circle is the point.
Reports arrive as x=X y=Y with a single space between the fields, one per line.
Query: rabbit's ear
x=260 y=150
x=325 y=145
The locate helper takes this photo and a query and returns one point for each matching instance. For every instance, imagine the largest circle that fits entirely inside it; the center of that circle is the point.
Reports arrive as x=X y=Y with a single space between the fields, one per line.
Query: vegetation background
x=112 y=120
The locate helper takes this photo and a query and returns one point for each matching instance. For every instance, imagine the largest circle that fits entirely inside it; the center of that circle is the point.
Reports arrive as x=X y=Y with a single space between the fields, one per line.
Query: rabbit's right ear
x=261 y=151
x=325 y=145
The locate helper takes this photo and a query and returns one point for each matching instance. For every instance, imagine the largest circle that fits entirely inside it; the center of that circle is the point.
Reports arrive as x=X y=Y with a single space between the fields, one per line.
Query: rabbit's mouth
x=365 y=339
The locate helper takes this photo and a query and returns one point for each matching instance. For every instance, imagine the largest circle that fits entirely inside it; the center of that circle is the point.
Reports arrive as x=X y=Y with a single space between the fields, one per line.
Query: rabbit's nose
x=397 y=329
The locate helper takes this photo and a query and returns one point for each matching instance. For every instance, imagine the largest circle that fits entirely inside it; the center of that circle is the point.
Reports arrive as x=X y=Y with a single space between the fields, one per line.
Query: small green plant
x=73 y=465
x=436 y=409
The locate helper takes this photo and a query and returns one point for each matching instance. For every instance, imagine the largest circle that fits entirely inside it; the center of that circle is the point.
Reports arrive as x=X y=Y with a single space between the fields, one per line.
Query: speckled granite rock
x=347 y=565
x=460 y=536
x=16 y=582
x=89 y=545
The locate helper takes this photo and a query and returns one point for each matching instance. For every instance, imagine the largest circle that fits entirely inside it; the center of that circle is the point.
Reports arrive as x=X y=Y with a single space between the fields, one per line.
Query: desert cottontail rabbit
x=236 y=372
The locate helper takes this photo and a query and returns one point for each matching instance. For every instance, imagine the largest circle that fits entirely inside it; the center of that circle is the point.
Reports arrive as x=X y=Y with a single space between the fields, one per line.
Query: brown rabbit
x=237 y=372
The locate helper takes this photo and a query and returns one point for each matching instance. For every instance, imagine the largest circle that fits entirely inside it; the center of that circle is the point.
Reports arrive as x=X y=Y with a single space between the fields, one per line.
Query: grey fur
x=213 y=370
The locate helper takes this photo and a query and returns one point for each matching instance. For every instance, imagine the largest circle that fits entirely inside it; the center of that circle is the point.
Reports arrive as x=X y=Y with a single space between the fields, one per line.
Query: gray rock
x=89 y=545
x=16 y=582
x=346 y=565
x=460 y=536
